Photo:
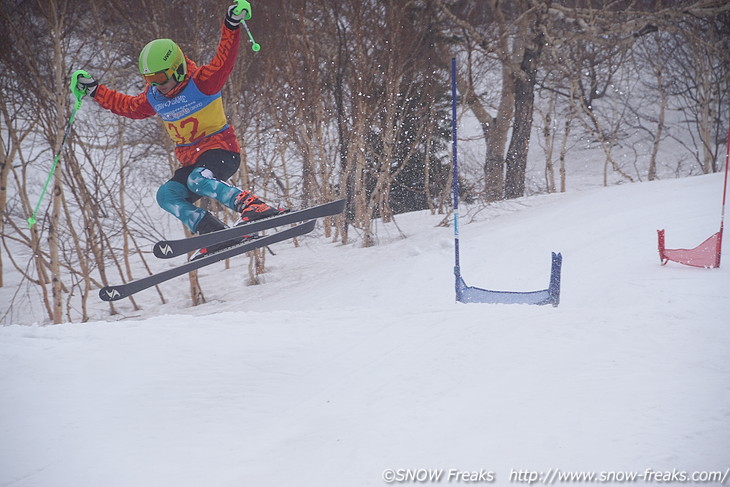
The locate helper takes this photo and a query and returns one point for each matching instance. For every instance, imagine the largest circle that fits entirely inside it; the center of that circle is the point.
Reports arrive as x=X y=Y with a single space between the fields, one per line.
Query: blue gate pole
x=457 y=269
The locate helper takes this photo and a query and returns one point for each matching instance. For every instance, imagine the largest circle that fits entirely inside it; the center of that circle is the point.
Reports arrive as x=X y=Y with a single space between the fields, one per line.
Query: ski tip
x=162 y=250
x=340 y=204
x=109 y=293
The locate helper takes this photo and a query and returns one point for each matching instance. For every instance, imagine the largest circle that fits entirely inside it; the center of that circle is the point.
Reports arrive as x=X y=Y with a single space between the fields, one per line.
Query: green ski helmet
x=161 y=60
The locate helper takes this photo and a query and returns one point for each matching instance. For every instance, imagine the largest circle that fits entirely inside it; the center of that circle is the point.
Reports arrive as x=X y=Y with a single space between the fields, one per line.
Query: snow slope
x=349 y=361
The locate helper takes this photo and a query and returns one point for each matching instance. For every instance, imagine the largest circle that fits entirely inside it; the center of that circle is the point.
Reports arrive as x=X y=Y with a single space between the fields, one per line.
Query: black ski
x=115 y=293
x=166 y=249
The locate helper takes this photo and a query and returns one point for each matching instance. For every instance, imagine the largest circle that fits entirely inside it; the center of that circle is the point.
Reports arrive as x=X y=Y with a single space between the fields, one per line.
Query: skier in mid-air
x=188 y=99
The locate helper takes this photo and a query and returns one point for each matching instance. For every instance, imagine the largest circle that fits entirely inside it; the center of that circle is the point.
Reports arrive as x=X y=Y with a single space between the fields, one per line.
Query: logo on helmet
x=167 y=55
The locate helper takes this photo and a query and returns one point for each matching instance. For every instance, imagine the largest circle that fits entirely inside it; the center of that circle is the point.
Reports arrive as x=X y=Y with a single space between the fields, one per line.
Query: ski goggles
x=160 y=77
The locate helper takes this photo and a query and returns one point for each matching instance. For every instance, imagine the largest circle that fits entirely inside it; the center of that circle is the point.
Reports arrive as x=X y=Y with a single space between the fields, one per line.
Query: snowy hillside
x=351 y=361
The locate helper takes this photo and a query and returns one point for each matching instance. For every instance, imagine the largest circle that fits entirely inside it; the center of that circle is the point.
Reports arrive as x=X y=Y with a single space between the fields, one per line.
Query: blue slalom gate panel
x=551 y=295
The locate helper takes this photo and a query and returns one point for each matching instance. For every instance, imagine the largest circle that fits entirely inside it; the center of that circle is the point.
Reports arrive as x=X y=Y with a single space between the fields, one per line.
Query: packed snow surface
x=349 y=362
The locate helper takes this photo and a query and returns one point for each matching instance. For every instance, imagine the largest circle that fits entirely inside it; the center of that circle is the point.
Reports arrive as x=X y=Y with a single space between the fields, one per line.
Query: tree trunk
x=660 y=127
x=4 y=171
x=525 y=79
x=55 y=228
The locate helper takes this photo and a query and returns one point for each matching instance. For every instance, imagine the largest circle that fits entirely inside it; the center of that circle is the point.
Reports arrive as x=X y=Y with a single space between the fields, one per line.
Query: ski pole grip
x=77 y=92
x=243 y=5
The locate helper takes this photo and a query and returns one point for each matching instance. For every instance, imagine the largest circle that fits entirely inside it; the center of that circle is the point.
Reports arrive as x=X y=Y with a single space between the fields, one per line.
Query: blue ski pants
x=205 y=178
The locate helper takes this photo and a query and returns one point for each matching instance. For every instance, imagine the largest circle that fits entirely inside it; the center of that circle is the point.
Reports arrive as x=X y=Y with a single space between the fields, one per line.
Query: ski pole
x=79 y=94
x=255 y=46
x=242 y=5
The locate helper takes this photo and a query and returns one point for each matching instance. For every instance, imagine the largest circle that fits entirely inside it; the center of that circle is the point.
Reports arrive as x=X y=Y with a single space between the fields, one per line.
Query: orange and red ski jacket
x=209 y=79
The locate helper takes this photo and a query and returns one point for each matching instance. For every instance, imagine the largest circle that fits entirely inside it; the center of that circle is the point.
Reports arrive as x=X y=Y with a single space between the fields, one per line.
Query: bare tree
x=490 y=42
x=697 y=55
x=535 y=13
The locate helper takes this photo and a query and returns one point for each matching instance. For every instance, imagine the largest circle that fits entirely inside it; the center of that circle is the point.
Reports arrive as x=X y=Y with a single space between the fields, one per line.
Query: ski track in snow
x=348 y=360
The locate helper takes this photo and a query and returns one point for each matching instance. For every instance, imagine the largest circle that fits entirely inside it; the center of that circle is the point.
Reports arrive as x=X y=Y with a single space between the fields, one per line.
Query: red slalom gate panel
x=706 y=254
